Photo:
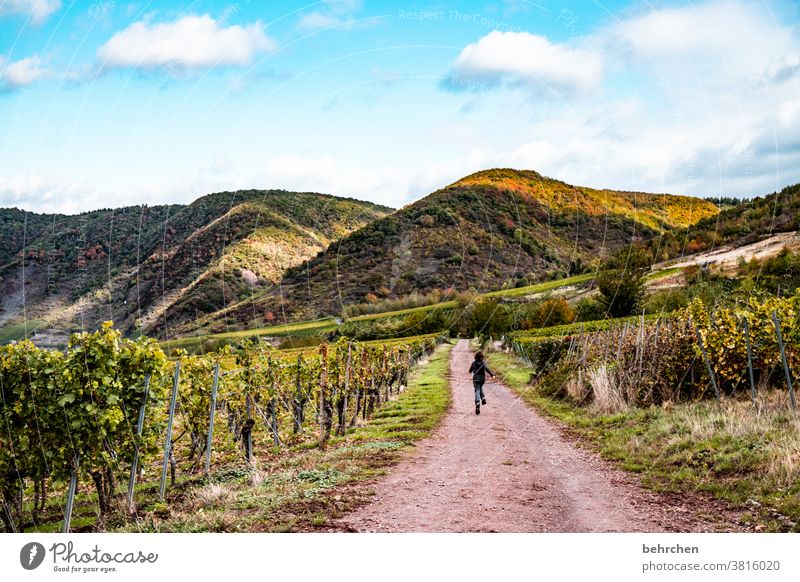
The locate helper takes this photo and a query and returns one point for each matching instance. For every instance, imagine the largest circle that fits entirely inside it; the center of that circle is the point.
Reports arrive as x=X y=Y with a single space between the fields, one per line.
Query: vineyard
x=110 y=410
x=685 y=356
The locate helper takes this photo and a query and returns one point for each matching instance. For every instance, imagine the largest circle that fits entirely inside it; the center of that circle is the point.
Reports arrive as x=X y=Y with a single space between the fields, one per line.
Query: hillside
x=742 y=224
x=146 y=267
x=483 y=231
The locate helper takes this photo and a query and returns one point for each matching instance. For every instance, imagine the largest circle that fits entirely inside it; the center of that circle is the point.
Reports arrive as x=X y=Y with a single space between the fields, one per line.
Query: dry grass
x=771 y=424
x=215 y=494
x=784 y=462
x=606 y=390
x=739 y=418
x=256 y=476
x=576 y=389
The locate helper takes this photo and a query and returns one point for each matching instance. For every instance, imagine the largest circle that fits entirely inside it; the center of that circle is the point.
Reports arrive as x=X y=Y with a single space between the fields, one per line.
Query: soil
x=511 y=470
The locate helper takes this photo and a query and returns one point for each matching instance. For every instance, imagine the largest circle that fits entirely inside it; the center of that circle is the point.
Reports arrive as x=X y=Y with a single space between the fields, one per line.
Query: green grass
x=745 y=457
x=519 y=291
x=294 y=329
x=320 y=326
x=17 y=331
x=663 y=273
x=542 y=287
x=403 y=312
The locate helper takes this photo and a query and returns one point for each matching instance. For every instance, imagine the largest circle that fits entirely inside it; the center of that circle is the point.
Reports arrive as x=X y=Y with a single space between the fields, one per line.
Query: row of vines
x=689 y=355
x=107 y=407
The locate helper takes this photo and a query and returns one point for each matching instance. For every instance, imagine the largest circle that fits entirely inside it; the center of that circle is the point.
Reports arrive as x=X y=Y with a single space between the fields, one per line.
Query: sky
x=108 y=103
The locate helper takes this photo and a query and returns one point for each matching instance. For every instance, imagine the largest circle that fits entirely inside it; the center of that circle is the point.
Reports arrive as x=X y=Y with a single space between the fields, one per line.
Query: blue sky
x=110 y=103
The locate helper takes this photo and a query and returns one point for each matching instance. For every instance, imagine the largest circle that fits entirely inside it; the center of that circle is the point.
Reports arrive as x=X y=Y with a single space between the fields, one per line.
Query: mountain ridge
x=482 y=232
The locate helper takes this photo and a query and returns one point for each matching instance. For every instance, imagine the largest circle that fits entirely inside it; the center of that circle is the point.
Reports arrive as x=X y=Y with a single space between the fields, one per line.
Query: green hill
x=484 y=231
x=148 y=267
x=741 y=224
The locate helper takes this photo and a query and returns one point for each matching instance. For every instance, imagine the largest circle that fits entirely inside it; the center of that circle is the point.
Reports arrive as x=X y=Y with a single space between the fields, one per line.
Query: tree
x=622 y=282
x=488 y=319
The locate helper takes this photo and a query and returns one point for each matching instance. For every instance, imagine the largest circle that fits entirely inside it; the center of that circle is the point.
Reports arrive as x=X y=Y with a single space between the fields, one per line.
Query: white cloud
x=21 y=73
x=38 y=10
x=526 y=60
x=324 y=174
x=699 y=99
x=743 y=40
x=66 y=195
x=192 y=42
x=38 y=194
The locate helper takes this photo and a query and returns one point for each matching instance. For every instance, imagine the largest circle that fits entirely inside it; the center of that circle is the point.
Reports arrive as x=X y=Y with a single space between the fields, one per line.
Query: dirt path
x=511 y=470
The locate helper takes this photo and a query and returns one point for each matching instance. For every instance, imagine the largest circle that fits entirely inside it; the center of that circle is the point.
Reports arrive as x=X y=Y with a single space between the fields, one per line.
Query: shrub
x=622 y=282
x=588 y=309
x=552 y=311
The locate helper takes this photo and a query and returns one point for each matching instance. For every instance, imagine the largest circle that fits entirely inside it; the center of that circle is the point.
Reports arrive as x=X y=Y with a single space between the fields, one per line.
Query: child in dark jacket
x=479 y=369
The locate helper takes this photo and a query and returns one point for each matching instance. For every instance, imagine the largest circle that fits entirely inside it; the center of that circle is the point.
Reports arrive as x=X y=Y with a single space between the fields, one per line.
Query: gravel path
x=511 y=470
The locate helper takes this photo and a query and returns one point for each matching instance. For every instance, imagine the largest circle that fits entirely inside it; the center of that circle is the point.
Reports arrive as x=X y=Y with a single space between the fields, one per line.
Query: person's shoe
x=483 y=401
x=477 y=408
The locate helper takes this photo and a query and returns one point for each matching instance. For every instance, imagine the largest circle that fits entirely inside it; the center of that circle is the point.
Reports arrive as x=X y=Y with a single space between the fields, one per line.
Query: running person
x=479 y=369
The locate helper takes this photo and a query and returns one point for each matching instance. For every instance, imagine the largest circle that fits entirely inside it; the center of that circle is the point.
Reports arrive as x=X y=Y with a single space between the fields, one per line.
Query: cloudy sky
x=108 y=103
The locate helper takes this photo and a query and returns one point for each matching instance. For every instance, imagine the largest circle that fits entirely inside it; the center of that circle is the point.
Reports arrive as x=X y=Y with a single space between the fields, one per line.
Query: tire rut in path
x=509 y=470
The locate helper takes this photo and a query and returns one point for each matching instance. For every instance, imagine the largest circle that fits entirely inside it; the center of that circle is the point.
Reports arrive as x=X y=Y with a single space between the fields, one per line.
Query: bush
x=588 y=309
x=552 y=311
x=622 y=282
x=666 y=301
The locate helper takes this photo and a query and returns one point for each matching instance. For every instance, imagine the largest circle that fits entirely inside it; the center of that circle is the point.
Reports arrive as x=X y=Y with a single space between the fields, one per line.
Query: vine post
x=248 y=437
x=786 y=369
x=298 y=398
x=323 y=388
x=341 y=405
x=746 y=326
x=73 y=485
x=168 y=443
x=708 y=365
x=211 y=414
x=139 y=428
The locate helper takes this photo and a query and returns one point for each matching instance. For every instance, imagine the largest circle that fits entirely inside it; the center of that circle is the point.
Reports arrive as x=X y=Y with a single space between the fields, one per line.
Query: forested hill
x=143 y=266
x=740 y=224
x=483 y=231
